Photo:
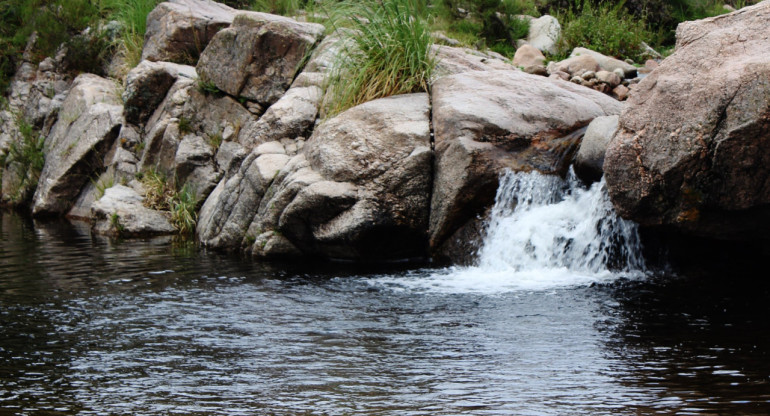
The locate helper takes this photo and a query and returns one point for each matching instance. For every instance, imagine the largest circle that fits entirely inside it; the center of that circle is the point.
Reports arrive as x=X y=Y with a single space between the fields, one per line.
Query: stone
x=179 y=30
x=258 y=56
x=195 y=166
x=147 y=85
x=359 y=189
x=621 y=92
x=442 y=38
x=88 y=125
x=486 y=122
x=451 y=60
x=610 y=78
x=544 y=34
x=121 y=212
x=575 y=66
x=528 y=55
x=590 y=156
x=560 y=75
x=588 y=75
x=606 y=63
x=692 y=151
x=291 y=116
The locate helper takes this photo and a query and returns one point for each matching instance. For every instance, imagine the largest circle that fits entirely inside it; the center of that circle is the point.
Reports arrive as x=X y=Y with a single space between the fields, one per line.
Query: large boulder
x=121 y=212
x=258 y=56
x=147 y=85
x=89 y=123
x=359 y=189
x=455 y=60
x=693 y=148
x=179 y=30
x=486 y=122
x=544 y=34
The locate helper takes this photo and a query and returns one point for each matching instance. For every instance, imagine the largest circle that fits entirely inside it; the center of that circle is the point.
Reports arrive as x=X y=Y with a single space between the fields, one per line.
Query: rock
x=258 y=56
x=528 y=55
x=359 y=189
x=575 y=66
x=442 y=38
x=195 y=166
x=621 y=92
x=560 y=75
x=605 y=62
x=610 y=78
x=544 y=34
x=693 y=148
x=486 y=122
x=451 y=60
x=179 y=30
x=588 y=75
x=88 y=125
x=590 y=156
x=536 y=70
x=293 y=115
x=147 y=85
x=120 y=212
x=649 y=52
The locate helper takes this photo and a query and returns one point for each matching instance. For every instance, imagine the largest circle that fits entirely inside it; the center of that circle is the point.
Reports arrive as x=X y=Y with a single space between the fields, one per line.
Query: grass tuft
x=25 y=160
x=390 y=54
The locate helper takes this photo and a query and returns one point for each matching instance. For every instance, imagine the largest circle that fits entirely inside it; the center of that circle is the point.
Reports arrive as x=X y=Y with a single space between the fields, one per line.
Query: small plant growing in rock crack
x=215 y=140
x=185 y=125
x=157 y=189
x=208 y=87
x=102 y=185
x=161 y=195
x=115 y=223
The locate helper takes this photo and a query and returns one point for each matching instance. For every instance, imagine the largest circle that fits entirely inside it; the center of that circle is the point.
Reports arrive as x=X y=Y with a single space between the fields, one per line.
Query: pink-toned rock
x=575 y=66
x=528 y=55
x=693 y=148
x=621 y=92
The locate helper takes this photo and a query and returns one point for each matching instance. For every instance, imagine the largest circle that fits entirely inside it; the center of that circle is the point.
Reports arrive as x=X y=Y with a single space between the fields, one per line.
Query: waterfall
x=544 y=232
x=544 y=222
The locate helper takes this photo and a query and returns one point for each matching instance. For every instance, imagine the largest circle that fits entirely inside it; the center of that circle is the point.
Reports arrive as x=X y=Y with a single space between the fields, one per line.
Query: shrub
x=25 y=160
x=606 y=29
x=132 y=15
x=390 y=54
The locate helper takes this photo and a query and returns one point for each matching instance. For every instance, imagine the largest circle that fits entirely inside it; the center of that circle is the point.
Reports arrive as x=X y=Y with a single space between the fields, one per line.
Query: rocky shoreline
x=684 y=143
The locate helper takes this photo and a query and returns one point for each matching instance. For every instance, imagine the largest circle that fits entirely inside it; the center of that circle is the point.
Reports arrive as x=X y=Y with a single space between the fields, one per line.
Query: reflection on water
x=89 y=326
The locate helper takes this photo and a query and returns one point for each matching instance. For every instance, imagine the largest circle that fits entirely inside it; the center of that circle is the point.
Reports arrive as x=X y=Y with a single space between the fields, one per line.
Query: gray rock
x=121 y=212
x=293 y=115
x=610 y=78
x=179 y=30
x=575 y=66
x=451 y=60
x=486 y=122
x=590 y=155
x=89 y=123
x=258 y=56
x=147 y=85
x=606 y=63
x=544 y=34
x=693 y=148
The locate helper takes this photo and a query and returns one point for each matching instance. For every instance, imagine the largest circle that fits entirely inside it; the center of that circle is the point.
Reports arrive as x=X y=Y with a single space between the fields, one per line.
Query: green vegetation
x=102 y=185
x=162 y=194
x=185 y=125
x=132 y=16
x=115 y=223
x=282 y=7
x=390 y=54
x=605 y=28
x=25 y=160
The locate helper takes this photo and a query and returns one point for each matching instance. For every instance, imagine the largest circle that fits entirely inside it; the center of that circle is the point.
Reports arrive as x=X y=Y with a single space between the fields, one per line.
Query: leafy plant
x=605 y=28
x=390 y=54
x=25 y=159
x=182 y=205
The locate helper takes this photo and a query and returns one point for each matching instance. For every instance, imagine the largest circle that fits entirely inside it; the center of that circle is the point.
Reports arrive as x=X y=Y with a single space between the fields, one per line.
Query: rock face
x=693 y=148
x=544 y=34
x=147 y=85
x=590 y=156
x=359 y=189
x=120 y=212
x=88 y=125
x=179 y=30
x=485 y=122
x=258 y=56
x=455 y=60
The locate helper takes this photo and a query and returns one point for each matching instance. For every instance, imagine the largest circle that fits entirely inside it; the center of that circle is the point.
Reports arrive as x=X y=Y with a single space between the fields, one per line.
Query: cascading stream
x=544 y=222
x=543 y=232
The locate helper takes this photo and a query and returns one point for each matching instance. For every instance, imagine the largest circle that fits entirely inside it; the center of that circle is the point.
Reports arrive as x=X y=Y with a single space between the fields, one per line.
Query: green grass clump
x=25 y=160
x=182 y=205
x=132 y=15
x=162 y=195
x=103 y=185
x=390 y=54
x=605 y=28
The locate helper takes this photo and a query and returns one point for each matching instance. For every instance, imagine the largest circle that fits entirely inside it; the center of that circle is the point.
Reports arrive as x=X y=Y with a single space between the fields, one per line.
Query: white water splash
x=545 y=232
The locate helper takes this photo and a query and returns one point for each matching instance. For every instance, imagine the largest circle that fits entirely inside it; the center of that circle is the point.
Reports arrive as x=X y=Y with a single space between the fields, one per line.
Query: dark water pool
x=92 y=326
